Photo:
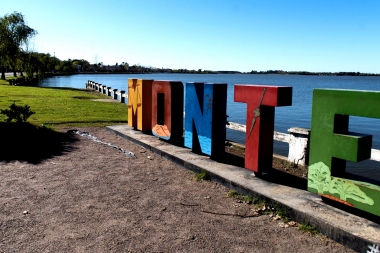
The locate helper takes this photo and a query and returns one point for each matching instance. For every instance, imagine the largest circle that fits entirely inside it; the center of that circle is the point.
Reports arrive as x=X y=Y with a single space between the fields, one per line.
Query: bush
x=17 y=113
x=202 y=175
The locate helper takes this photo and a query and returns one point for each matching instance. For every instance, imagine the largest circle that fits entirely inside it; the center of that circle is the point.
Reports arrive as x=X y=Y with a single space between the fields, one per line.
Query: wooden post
x=299 y=145
x=114 y=94
x=122 y=98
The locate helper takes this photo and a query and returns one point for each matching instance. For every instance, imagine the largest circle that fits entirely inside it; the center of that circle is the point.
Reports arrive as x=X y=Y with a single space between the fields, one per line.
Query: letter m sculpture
x=140 y=104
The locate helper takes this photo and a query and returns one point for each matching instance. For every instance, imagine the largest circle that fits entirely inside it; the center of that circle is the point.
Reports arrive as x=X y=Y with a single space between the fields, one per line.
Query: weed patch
x=248 y=199
x=202 y=175
x=307 y=228
x=232 y=194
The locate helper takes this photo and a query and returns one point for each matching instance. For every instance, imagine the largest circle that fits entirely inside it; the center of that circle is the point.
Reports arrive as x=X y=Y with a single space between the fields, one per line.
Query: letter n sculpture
x=140 y=104
x=167 y=110
x=331 y=144
x=205 y=118
x=261 y=102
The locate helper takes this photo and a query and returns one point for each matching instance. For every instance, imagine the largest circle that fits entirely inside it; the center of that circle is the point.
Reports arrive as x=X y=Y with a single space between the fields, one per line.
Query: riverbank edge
x=350 y=230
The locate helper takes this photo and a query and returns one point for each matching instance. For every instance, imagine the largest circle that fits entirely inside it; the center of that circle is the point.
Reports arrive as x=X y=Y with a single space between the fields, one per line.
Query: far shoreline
x=223 y=72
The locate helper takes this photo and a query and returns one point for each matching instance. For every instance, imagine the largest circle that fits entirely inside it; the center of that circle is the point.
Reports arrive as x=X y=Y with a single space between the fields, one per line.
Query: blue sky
x=237 y=35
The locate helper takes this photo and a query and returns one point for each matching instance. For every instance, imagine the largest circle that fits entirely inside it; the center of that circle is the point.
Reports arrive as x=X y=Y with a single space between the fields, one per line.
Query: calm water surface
x=297 y=115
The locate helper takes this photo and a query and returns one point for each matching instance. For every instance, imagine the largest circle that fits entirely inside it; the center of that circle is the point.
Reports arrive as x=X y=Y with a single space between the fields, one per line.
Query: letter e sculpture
x=331 y=144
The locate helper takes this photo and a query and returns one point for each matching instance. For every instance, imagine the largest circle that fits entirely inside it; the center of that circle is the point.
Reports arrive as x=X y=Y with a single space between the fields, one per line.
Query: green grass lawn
x=58 y=106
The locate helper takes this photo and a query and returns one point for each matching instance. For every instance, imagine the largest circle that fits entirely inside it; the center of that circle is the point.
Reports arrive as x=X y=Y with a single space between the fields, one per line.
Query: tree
x=14 y=34
x=34 y=63
x=53 y=64
x=85 y=64
x=125 y=66
x=65 y=66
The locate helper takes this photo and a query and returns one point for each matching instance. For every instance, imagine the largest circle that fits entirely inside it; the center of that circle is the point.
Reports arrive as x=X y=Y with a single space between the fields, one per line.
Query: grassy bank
x=58 y=106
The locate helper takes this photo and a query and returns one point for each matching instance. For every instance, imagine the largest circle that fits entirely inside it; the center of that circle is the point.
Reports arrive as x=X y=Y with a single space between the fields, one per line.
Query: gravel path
x=94 y=198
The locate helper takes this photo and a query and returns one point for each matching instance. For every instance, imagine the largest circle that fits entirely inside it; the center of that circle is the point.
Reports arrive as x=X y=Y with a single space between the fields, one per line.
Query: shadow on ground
x=273 y=175
x=28 y=143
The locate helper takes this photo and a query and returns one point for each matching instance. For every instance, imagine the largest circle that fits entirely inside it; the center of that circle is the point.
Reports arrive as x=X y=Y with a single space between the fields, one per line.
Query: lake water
x=297 y=115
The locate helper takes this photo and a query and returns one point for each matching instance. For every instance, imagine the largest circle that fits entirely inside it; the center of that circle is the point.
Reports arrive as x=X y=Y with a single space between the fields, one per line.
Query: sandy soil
x=84 y=196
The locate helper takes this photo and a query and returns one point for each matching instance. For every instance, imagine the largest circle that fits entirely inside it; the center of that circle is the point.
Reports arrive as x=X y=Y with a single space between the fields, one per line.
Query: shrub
x=232 y=194
x=202 y=175
x=17 y=113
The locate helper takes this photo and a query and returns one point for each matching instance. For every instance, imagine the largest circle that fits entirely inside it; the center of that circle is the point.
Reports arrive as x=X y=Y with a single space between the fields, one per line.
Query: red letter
x=261 y=101
x=167 y=110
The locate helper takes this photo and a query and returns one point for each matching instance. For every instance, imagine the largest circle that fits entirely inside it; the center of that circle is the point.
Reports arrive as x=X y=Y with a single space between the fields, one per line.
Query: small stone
x=207 y=197
x=25 y=212
x=292 y=223
x=277 y=217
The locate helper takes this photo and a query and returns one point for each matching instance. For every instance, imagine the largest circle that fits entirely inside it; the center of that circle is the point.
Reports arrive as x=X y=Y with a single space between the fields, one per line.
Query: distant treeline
x=82 y=66
x=282 y=72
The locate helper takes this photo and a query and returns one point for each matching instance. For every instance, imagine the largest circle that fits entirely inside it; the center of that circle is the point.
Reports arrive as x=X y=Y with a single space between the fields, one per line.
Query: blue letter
x=205 y=117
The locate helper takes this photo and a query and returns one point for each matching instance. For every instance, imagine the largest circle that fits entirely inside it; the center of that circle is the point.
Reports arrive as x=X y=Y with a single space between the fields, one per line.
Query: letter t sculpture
x=261 y=101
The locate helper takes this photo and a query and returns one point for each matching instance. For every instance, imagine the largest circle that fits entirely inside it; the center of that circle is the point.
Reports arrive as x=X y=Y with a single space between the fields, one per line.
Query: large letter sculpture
x=167 y=110
x=261 y=101
x=331 y=144
x=140 y=104
x=205 y=118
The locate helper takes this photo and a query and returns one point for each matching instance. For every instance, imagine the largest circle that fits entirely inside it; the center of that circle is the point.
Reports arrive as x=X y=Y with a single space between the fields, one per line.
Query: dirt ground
x=77 y=195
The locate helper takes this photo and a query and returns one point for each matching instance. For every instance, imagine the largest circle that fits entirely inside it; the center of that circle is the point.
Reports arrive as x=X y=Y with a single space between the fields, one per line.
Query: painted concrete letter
x=167 y=110
x=261 y=101
x=140 y=104
x=331 y=144
x=205 y=117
